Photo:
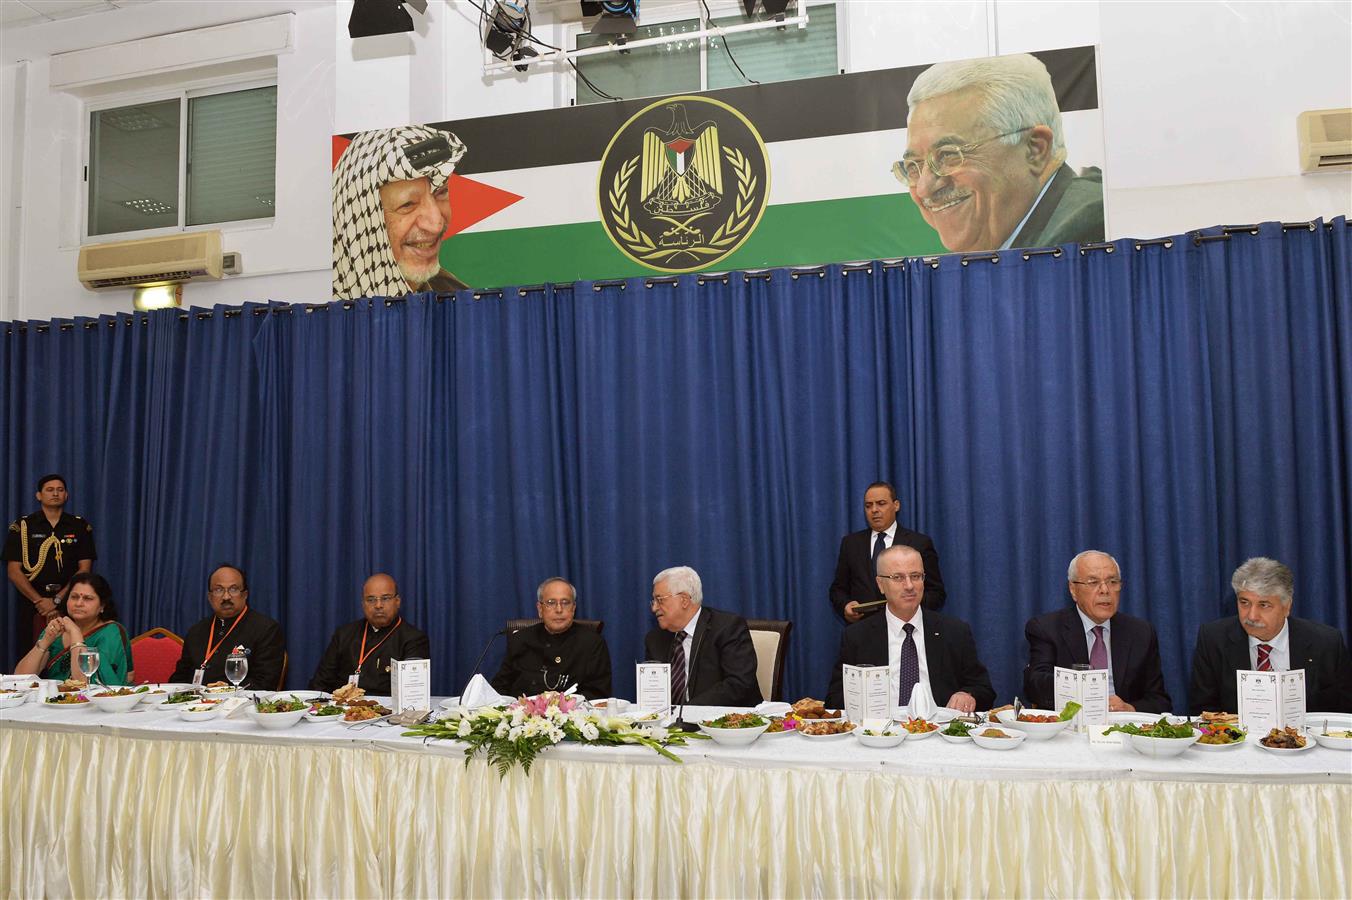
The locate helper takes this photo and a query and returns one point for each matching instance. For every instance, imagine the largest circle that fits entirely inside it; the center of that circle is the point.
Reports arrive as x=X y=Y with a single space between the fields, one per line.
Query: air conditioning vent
x=1325 y=140
x=178 y=257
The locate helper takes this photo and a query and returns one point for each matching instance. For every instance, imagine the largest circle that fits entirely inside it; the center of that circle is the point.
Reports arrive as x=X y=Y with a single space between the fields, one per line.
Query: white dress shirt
x=1107 y=643
x=896 y=636
x=1279 y=656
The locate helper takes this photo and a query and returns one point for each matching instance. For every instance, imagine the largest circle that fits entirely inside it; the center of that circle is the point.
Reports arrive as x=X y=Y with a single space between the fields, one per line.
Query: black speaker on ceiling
x=372 y=17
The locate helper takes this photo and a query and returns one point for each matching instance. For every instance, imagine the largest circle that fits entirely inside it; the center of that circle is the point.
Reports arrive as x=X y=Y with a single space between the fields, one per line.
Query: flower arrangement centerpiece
x=517 y=733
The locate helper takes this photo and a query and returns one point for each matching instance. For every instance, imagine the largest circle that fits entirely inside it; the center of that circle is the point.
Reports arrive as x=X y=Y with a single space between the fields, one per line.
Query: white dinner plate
x=287 y=695
x=780 y=734
x=828 y=737
x=1310 y=744
x=1219 y=748
x=310 y=716
x=347 y=724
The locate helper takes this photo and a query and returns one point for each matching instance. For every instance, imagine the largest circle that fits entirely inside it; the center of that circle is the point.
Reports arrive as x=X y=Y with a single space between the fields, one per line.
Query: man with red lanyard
x=360 y=652
x=233 y=623
x=42 y=552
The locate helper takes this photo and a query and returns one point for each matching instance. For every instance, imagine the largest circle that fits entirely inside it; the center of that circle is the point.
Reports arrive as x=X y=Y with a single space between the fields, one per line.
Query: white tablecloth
x=224 y=808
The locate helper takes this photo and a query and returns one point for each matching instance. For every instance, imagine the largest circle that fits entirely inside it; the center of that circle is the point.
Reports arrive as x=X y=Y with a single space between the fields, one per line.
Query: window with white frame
x=696 y=64
x=194 y=158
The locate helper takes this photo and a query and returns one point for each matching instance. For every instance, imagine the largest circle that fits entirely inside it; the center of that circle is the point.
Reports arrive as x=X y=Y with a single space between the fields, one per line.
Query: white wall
x=1199 y=103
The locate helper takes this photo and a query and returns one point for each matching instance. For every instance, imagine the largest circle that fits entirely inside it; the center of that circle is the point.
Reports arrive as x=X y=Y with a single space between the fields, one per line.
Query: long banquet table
x=169 y=808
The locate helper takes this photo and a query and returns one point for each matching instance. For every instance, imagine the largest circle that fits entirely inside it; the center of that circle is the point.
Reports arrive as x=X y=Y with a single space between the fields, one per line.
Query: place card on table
x=868 y=692
x=410 y=684
x=1270 y=700
x=1089 y=688
x=653 y=681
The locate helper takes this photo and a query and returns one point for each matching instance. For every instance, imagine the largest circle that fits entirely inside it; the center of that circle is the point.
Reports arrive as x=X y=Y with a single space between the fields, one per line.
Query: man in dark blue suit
x=1265 y=636
x=917 y=645
x=855 y=580
x=1095 y=633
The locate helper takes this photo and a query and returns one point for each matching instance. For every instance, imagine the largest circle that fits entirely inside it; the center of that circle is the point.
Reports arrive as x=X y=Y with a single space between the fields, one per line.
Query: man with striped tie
x=1266 y=637
x=713 y=662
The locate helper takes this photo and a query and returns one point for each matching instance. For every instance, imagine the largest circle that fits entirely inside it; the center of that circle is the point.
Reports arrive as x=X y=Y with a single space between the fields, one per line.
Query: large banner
x=965 y=156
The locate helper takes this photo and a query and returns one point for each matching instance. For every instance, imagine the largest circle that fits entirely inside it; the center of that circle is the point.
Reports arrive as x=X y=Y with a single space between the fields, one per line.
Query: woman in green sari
x=86 y=618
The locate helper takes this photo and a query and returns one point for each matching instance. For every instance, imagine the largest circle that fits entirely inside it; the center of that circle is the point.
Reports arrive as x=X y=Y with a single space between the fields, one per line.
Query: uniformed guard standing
x=42 y=552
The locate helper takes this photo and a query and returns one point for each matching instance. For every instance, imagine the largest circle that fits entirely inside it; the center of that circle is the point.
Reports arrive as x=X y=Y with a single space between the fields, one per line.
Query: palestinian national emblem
x=677 y=196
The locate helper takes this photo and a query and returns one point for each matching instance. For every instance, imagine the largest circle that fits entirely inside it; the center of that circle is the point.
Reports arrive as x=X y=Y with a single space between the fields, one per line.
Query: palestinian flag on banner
x=782 y=174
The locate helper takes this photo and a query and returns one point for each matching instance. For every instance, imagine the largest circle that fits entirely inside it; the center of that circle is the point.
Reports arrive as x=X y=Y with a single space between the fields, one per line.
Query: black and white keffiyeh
x=363 y=261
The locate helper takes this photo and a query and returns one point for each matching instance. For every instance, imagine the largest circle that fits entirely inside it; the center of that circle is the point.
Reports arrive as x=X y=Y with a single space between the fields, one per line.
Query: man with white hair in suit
x=713 y=662
x=985 y=158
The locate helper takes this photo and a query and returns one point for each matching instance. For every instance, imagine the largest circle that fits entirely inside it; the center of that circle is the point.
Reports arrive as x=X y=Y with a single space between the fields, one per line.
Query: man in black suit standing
x=1265 y=636
x=1094 y=632
x=713 y=662
x=916 y=645
x=855 y=580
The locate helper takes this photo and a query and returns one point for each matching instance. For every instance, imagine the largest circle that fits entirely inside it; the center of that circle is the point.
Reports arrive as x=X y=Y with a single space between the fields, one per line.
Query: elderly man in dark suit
x=856 y=580
x=1265 y=636
x=713 y=662
x=916 y=645
x=1096 y=633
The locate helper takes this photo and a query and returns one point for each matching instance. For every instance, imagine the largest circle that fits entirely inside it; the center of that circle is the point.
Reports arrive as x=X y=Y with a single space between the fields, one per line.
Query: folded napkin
x=922 y=702
x=480 y=693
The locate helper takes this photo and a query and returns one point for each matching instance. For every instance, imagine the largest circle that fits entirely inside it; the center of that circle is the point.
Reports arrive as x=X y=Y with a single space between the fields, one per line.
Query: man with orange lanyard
x=360 y=652
x=233 y=623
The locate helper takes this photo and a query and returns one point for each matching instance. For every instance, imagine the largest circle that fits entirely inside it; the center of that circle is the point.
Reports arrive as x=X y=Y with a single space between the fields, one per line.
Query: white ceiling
x=15 y=13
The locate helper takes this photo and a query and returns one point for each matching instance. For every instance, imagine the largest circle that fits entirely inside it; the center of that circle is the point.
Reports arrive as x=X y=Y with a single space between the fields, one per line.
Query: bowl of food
x=68 y=699
x=278 y=714
x=11 y=697
x=1038 y=724
x=810 y=709
x=958 y=732
x=783 y=725
x=219 y=690
x=992 y=737
x=117 y=700
x=827 y=729
x=179 y=698
x=1219 y=737
x=735 y=729
x=1161 y=739
x=355 y=714
x=1286 y=740
x=1333 y=738
x=324 y=712
x=919 y=728
x=891 y=736
x=199 y=712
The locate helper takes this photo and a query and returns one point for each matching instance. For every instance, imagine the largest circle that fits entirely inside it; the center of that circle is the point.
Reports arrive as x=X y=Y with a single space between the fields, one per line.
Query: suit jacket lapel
x=1121 y=649
x=1238 y=651
x=1072 y=632
x=936 y=661
x=697 y=651
x=1300 y=649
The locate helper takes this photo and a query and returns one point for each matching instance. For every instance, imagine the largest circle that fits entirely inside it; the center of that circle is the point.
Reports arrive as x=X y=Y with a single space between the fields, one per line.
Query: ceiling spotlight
x=616 y=16
x=508 y=27
x=373 y=17
x=773 y=8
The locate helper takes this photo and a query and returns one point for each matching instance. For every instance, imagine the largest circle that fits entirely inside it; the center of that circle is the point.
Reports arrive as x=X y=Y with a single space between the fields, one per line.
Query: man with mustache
x=1264 y=636
x=232 y=623
x=713 y=662
x=856 y=580
x=985 y=158
x=391 y=209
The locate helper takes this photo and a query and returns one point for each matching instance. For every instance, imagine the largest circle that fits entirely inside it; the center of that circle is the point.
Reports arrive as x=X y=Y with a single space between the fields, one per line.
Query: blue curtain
x=1182 y=406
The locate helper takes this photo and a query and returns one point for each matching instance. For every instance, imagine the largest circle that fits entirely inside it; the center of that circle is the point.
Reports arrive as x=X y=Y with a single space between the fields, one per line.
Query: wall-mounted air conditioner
x=177 y=257
x=1325 y=140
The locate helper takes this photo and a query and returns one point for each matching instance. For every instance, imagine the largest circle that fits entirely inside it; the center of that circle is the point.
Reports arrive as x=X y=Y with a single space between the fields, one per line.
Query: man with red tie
x=1266 y=637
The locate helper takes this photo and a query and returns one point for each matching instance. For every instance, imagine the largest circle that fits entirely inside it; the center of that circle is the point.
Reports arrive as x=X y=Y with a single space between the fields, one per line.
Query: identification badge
x=352 y=679
x=197 y=677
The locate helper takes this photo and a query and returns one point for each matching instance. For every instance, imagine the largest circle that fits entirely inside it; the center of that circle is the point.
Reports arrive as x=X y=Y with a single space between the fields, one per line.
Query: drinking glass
x=236 y=668
x=87 y=659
